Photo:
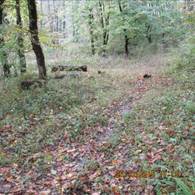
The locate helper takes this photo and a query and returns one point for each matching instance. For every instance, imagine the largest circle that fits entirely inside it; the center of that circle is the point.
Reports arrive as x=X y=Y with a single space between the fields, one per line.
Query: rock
x=147 y=76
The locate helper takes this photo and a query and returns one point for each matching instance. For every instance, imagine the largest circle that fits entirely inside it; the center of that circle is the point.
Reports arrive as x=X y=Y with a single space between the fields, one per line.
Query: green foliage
x=190 y=107
x=145 y=22
x=40 y=116
x=156 y=21
x=165 y=185
x=185 y=189
x=68 y=109
x=170 y=113
x=91 y=165
x=187 y=58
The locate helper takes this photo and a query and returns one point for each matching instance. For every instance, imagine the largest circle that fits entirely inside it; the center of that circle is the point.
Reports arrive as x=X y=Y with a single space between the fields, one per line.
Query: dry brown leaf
x=45 y=192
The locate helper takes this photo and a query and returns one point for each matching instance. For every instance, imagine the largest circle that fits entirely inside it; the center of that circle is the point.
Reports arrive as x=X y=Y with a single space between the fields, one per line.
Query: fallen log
x=68 y=75
x=28 y=84
x=69 y=68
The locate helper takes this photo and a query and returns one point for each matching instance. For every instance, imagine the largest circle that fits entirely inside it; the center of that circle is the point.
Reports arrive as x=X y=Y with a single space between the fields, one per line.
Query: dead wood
x=69 y=68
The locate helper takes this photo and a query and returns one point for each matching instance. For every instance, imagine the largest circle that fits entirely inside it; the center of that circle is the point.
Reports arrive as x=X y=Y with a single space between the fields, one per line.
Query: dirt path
x=91 y=167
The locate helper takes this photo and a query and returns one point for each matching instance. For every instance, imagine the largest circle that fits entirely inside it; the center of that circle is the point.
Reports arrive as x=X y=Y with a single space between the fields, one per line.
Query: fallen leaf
x=96 y=174
x=46 y=192
x=53 y=172
x=5 y=128
x=116 y=162
x=96 y=193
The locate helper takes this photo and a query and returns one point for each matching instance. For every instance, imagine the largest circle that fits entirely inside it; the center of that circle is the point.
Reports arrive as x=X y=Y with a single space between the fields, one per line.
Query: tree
x=149 y=33
x=91 y=30
x=104 y=21
x=6 y=67
x=189 y=5
x=20 y=41
x=75 y=20
x=33 y=27
x=124 y=29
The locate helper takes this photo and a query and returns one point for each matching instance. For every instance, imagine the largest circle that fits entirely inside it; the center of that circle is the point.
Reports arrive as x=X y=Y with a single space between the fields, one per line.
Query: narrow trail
x=90 y=167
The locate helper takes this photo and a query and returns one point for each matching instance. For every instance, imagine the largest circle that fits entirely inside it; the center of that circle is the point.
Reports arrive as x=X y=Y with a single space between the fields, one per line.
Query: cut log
x=69 y=68
x=28 y=84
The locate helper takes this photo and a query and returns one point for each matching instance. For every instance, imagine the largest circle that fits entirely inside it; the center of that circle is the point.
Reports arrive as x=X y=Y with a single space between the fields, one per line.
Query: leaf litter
x=90 y=166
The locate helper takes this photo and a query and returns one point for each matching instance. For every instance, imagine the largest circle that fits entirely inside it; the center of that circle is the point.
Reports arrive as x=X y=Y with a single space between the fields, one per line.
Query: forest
x=97 y=97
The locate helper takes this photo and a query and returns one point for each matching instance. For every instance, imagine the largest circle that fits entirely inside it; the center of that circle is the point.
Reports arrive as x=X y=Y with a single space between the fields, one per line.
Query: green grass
x=34 y=119
x=41 y=116
x=168 y=114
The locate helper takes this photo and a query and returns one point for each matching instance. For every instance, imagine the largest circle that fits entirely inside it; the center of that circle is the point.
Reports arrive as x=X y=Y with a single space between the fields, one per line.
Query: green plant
x=185 y=189
x=91 y=165
x=190 y=107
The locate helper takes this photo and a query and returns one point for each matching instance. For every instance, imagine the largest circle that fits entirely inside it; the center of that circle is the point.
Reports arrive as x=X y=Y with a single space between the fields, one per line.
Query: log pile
x=69 y=68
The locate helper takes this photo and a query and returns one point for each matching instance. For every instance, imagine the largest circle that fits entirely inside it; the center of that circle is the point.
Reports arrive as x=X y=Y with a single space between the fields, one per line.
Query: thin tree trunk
x=35 y=39
x=41 y=7
x=126 y=43
x=75 y=26
x=148 y=33
x=104 y=20
x=189 y=5
x=6 y=67
x=125 y=32
x=91 y=31
x=64 y=19
x=20 y=39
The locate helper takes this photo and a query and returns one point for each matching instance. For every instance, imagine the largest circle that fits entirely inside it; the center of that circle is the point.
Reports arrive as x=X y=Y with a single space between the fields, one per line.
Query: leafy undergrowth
x=162 y=125
x=100 y=134
x=32 y=119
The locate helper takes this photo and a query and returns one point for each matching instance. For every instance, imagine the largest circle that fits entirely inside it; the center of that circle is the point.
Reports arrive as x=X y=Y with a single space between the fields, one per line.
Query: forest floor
x=125 y=134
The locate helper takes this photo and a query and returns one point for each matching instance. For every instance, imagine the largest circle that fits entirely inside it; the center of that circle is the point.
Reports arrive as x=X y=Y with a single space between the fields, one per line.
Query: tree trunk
x=148 y=33
x=35 y=39
x=125 y=32
x=104 y=20
x=41 y=7
x=91 y=31
x=6 y=67
x=126 y=43
x=20 y=39
x=189 y=5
